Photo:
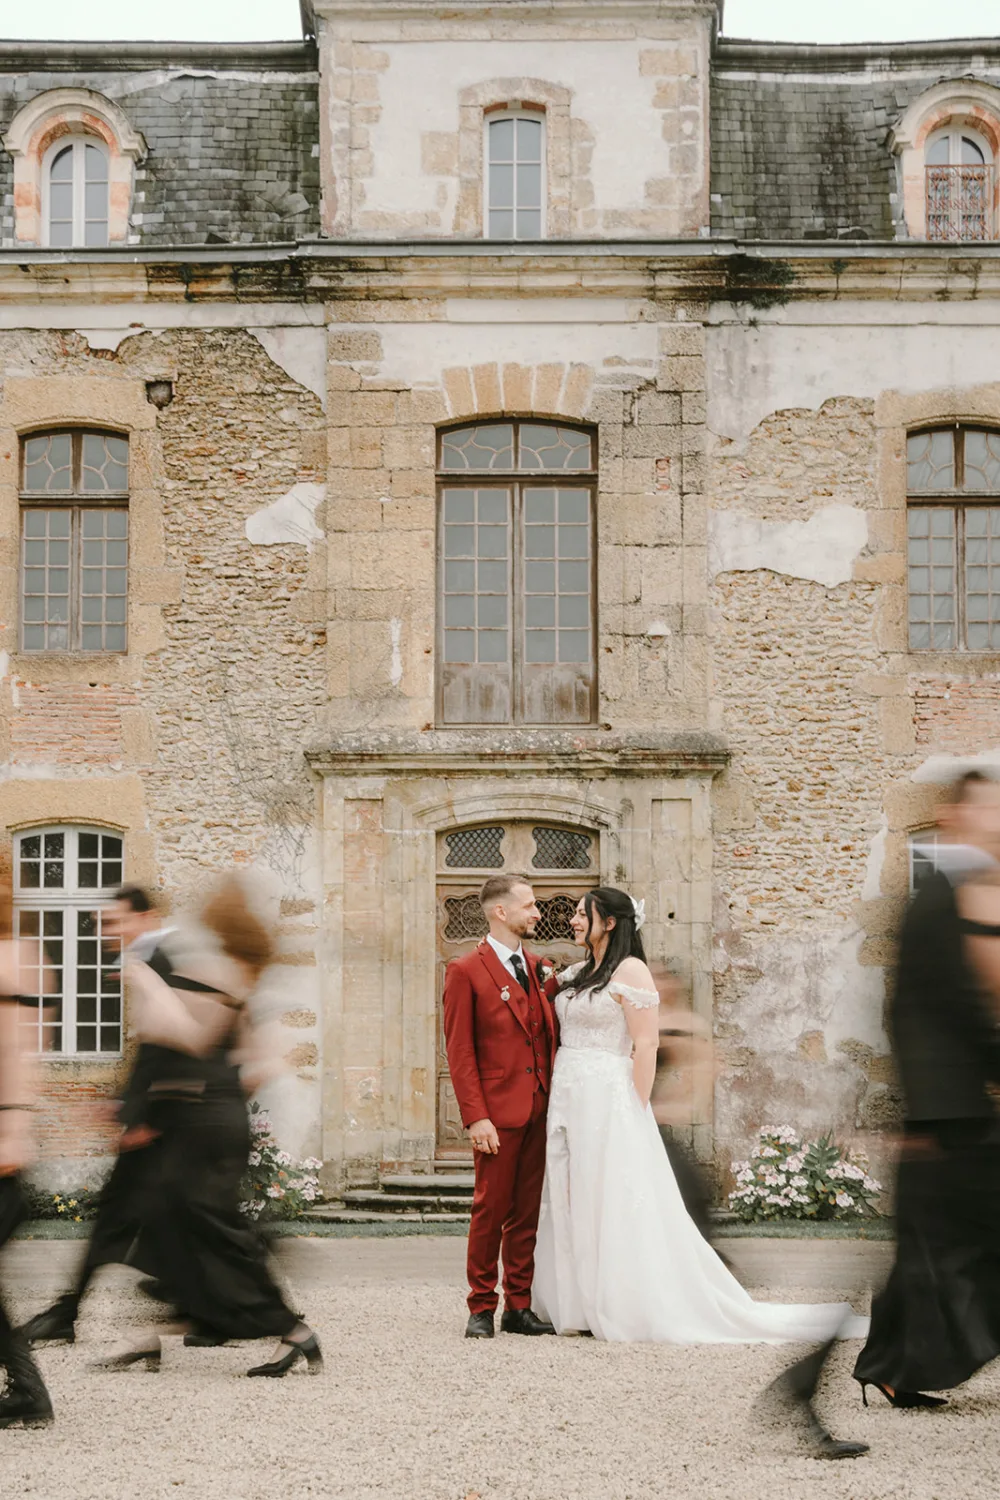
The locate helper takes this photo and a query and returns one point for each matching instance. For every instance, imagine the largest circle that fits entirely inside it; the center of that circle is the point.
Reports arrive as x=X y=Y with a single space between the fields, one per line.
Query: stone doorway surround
x=385 y=796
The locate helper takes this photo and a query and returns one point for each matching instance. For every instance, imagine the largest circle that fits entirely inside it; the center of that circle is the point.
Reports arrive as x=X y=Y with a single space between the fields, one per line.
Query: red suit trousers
x=505 y=1209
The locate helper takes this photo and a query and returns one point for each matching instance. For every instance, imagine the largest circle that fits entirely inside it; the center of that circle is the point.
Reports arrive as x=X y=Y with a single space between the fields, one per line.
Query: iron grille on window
x=465 y=919
x=959 y=202
x=74 y=542
x=953 y=547
x=474 y=849
x=60 y=874
x=560 y=849
x=553 y=926
x=516 y=561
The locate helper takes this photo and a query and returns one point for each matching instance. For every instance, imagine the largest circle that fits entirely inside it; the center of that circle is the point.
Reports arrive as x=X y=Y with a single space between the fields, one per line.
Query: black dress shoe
x=831 y=1447
x=54 y=1324
x=523 y=1320
x=203 y=1339
x=480 y=1326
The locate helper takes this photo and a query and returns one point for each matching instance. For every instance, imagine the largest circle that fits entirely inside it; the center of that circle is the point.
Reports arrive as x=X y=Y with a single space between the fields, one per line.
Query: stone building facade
x=517 y=399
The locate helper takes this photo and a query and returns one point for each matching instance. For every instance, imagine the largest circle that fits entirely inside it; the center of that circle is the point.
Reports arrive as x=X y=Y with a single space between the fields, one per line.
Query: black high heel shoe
x=308 y=1350
x=902 y=1399
x=130 y=1357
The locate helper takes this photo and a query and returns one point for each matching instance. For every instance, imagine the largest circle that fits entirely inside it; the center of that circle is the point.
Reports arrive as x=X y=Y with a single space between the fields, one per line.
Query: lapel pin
x=505 y=993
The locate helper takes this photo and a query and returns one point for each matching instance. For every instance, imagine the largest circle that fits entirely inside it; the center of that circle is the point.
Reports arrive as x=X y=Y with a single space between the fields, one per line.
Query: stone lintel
x=570 y=753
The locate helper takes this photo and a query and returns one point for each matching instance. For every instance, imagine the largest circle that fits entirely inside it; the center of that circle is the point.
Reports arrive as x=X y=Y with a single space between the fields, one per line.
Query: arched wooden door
x=561 y=863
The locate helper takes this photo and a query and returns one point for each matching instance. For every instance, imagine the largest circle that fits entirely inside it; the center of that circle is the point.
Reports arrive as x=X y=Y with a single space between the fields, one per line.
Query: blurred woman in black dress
x=208 y=1254
x=25 y=1400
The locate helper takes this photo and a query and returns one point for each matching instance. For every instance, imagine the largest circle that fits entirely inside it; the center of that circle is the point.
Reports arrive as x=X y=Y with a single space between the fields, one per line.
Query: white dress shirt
x=505 y=954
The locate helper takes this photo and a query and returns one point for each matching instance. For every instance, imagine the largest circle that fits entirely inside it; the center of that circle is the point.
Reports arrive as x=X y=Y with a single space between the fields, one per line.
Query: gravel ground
x=408 y=1410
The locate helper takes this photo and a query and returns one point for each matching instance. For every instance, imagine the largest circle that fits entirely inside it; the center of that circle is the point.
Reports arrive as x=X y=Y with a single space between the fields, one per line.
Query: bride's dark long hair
x=623 y=939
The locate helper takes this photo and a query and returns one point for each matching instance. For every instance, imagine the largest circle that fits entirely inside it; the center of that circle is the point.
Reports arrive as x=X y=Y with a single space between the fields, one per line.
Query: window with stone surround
x=515 y=174
x=75 y=196
x=61 y=879
x=516 y=574
x=74 y=541
x=959 y=186
x=953 y=543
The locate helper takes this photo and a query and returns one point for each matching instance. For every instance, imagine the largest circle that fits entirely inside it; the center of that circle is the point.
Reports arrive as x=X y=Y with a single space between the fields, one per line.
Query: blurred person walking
x=196 y=1238
x=25 y=1400
x=938 y=1320
x=685 y=1072
x=135 y=921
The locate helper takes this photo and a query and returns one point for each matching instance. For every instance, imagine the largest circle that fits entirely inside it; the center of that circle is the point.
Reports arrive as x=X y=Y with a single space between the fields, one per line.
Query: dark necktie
x=520 y=973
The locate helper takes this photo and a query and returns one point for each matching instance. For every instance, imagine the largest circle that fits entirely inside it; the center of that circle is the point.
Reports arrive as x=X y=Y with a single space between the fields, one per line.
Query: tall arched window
x=61 y=880
x=516 y=574
x=75 y=207
x=953 y=524
x=515 y=175
x=959 y=185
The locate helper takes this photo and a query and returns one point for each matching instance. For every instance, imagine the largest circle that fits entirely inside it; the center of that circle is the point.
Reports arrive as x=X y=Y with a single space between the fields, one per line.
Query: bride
x=617 y=1254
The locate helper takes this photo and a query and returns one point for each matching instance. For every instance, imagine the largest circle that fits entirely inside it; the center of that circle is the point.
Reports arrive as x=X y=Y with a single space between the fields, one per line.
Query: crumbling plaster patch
x=872 y=887
x=290 y=518
x=940 y=769
x=809 y=354
x=822 y=549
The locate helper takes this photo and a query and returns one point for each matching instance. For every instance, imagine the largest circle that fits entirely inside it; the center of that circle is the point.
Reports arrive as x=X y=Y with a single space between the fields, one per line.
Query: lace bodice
x=595 y=1020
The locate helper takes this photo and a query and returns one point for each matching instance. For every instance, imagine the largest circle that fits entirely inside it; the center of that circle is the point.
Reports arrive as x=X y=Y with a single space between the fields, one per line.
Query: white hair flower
x=639 y=907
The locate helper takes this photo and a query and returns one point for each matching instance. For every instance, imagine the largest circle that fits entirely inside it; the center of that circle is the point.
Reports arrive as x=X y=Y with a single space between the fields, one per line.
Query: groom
x=500 y=1035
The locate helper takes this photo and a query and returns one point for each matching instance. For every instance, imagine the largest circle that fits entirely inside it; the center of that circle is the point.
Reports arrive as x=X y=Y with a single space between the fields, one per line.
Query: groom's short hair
x=497 y=886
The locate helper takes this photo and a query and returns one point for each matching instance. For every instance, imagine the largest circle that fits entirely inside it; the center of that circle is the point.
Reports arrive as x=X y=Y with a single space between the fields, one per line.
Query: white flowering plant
x=275 y=1186
x=788 y=1178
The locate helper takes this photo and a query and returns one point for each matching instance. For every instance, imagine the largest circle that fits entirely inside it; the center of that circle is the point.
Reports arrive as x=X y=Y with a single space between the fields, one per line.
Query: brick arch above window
x=70 y=114
x=530 y=94
x=959 y=103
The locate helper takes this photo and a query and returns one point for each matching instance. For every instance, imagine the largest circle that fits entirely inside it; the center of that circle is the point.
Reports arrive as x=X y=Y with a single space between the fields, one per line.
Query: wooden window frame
x=76 y=500
x=959 y=501
x=516 y=482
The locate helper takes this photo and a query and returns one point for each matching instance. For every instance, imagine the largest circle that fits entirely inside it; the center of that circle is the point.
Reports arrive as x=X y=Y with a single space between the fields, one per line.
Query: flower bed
x=787 y=1178
x=275 y=1186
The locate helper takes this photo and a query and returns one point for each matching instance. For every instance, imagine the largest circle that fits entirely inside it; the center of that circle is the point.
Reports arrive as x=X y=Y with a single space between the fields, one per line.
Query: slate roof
x=233 y=135
x=799 y=136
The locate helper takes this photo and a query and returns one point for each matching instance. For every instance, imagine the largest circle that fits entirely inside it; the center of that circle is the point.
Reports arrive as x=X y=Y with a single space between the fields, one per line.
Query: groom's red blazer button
x=527 y=1070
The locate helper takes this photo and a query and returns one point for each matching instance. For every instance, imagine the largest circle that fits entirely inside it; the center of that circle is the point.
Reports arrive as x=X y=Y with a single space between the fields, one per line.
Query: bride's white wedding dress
x=617 y=1252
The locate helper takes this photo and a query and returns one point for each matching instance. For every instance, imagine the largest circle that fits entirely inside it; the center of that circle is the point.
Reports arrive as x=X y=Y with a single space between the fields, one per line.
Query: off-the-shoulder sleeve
x=567 y=974
x=641 y=999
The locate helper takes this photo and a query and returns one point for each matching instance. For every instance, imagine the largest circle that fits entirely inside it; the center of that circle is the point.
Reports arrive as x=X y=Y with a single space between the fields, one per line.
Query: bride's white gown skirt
x=617 y=1252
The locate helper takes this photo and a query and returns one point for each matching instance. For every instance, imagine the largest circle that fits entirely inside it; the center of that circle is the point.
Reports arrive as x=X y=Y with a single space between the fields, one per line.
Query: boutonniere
x=546 y=971
x=505 y=993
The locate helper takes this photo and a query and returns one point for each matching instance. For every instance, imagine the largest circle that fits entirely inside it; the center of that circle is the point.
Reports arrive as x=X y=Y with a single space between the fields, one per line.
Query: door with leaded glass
x=561 y=863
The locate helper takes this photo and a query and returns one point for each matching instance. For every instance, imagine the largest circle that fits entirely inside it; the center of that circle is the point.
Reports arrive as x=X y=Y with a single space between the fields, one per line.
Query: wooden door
x=561 y=863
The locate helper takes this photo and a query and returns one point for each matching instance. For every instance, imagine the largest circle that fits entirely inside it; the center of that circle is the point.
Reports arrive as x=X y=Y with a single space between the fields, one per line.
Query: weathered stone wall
x=191 y=743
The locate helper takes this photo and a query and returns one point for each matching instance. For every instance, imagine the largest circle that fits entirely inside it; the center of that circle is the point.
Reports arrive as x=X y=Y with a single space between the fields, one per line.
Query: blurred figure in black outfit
x=25 y=1401
x=133 y=920
x=192 y=1229
x=938 y=1320
x=685 y=1077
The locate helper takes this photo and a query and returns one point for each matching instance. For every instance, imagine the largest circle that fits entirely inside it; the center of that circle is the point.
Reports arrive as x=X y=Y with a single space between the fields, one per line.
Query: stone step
x=332 y=1213
x=371 y=1198
x=431 y=1183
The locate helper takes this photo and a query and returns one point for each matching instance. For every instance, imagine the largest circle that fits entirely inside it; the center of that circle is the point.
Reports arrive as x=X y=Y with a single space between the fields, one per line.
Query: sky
x=271 y=20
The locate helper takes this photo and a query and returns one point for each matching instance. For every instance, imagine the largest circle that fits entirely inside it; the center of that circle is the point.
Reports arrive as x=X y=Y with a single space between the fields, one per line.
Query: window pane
x=540 y=645
x=529 y=224
x=492 y=645
x=930 y=461
x=492 y=609
x=61 y=169
x=460 y=609
x=574 y=645
x=529 y=140
x=539 y=541
x=932 y=589
x=501 y=187
x=539 y=506
x=459 y=541
x=540 y=577
x=95 y=164
x=574 y=610
x=102 y=588
x=45 y=590
x=460 y=645
x=48 y=462
x=501 y=140
x=501 y=224
x=539 y=610
x=460 y=505
x=982 y=461
x=982 y=574
x=105 y=465
x=574 y=577
x=529 y=187
x=543 y=446
x=574 y=541
x=971 y=152
x=493 y=577
x=481 y=448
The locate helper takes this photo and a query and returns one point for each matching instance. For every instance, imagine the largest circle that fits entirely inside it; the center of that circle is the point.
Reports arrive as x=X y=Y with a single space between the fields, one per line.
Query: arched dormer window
x=75 y=194
x=959 y=185
x=515 y=174
x=947 y=144
x=74 y=155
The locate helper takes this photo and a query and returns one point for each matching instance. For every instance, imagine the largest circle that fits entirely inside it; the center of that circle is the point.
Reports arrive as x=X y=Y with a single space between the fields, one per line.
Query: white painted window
x=922 y=848
x=958 y=167
x=62 y=880
x=75 y=179
x=515 y=175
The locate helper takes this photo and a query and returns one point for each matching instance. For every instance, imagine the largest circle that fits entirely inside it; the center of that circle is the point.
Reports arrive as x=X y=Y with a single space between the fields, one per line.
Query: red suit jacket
x=489 y=1040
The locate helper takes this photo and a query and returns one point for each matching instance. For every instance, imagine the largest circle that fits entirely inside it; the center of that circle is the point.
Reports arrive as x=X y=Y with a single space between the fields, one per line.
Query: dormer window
x=959 y=186
x=515 y=156
x=75 y=209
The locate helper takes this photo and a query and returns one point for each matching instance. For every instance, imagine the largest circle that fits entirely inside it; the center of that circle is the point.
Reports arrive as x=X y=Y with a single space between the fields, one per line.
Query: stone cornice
x=582 y=752
x=93 y=58
x=745 y=55
x=754 y=276
x=545 y=11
